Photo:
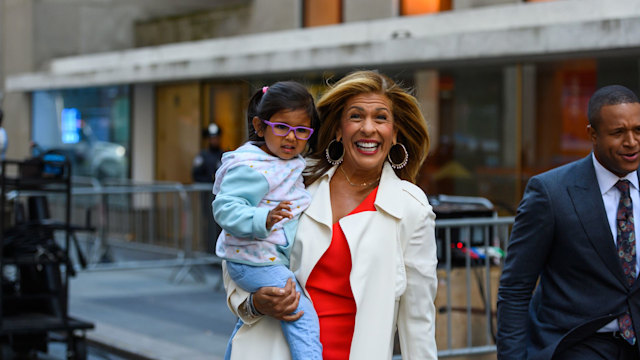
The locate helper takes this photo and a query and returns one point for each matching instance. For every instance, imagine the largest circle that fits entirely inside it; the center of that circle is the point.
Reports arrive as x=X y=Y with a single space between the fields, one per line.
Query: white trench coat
x=393 y=276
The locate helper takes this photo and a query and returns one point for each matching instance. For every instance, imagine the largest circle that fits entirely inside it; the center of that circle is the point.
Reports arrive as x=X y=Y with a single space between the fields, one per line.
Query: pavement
x=143 y=314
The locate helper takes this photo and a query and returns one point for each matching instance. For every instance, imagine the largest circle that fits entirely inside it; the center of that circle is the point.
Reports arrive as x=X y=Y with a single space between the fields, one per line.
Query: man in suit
x=574 y=238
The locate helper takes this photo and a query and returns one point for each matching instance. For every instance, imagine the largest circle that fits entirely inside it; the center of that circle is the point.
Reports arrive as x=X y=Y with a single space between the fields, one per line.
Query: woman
x=365 y=248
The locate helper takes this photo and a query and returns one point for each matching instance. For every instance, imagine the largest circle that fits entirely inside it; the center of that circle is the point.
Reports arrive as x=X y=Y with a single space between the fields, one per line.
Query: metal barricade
x=465 y=314
x=128 y=225
x=468 y=310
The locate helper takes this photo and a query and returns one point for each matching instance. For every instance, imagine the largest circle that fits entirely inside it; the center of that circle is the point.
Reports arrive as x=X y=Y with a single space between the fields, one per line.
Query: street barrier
x=471 y=255
x=127 y=225
x=466 y=299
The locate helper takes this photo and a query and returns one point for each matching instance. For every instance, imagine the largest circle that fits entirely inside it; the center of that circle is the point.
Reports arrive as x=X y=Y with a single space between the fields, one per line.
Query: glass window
x=562 y=93
x=322 y=12
x=473 y=152
x=497 y=126
x=416 y=7
x=91 y=126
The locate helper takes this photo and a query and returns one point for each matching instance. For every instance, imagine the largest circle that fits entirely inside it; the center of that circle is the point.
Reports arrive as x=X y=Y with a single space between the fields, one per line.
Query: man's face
x=616 y=138
x=214 y=142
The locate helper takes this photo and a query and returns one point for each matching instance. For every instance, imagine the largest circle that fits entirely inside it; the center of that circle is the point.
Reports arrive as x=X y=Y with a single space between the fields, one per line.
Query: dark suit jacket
x=561 y=236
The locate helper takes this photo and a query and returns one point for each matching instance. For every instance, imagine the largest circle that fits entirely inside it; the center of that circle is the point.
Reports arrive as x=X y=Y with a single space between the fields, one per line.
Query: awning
x=515 y=32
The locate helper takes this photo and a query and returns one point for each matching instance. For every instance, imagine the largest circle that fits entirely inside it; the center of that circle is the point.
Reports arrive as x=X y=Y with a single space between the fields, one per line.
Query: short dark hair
x=283 y=95
x=608 y=95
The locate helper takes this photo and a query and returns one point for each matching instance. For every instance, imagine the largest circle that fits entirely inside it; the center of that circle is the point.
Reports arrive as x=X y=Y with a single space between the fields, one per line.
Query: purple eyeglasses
x=281 y=129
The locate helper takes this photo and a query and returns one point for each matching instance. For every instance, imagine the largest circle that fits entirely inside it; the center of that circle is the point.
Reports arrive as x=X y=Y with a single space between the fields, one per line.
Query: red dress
x=330 y=290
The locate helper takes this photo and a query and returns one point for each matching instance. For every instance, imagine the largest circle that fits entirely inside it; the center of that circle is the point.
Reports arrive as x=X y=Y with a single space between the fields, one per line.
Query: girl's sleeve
x=235 y=206
x=417 y=312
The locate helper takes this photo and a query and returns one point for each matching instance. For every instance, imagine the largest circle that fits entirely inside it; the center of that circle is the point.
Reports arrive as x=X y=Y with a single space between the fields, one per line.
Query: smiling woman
x=367 y=132
x=365 y=248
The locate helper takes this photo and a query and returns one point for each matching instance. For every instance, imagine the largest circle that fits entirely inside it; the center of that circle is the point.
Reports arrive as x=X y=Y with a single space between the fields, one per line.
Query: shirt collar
x=607 y=179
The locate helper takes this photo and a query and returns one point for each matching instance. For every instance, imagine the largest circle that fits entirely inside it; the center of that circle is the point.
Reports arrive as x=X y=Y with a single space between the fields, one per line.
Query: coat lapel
x=320 y=208
x=587 y=202
x=387 y=198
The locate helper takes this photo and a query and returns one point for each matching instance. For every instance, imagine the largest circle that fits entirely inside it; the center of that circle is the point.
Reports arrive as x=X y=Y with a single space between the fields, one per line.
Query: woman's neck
x=359 y=178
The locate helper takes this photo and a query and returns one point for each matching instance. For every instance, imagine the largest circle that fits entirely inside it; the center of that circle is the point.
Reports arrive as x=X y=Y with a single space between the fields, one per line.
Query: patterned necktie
x=626 y=244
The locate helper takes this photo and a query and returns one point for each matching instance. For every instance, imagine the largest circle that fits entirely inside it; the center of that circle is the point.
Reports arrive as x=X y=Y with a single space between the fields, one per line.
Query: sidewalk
x=143 y=315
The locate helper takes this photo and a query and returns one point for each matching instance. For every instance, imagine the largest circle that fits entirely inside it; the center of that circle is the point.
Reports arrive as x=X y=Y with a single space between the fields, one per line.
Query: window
x=416 y=7
x=471 y=157
x=322 y=12
x=563 y=90
x=90 y=126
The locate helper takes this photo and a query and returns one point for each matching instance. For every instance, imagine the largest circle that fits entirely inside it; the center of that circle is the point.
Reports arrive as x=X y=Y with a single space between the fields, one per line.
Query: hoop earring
x=404 y=162
x=332 y=161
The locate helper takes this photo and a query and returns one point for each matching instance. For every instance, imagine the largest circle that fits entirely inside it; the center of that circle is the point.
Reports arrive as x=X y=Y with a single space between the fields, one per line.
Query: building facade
x=503 y=84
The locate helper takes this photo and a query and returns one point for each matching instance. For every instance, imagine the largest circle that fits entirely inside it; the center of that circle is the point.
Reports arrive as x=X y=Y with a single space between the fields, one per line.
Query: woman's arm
x=417 y=312
x=279 y=303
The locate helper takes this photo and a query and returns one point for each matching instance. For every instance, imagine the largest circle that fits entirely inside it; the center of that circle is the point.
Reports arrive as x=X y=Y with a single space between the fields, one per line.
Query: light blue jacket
x=248 y=185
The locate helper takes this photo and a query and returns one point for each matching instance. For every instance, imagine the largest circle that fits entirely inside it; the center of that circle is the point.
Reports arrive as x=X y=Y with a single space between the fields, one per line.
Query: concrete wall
x=73 y=27
x=508 y=33
x=465 y=4
x=240 y=18
x=361 y=10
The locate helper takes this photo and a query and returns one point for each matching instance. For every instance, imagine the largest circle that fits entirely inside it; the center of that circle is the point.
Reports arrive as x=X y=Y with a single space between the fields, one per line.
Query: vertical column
x=511 y=90
x=427 y=93
x=143 y=127
x=3 y=31
x=17 y=53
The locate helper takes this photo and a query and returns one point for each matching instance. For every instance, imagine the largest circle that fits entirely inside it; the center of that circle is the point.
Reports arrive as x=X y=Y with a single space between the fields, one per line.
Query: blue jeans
x=303 y=335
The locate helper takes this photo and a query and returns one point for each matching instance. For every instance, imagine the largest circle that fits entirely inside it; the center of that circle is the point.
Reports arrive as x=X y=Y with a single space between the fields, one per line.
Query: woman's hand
x=281 y=211
x=279 y=303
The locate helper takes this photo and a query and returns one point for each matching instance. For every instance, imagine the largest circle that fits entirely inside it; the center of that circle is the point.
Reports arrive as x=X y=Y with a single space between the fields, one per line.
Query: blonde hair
x=408 y=120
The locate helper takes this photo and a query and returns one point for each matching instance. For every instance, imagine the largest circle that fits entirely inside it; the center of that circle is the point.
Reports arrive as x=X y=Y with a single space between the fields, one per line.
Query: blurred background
x=125 y=87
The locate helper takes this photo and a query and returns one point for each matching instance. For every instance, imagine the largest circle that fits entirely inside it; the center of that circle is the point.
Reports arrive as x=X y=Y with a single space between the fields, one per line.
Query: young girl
x=259 y=198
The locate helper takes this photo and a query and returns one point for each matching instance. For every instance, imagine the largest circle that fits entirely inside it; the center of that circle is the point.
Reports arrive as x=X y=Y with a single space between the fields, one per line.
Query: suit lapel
x=587 y=202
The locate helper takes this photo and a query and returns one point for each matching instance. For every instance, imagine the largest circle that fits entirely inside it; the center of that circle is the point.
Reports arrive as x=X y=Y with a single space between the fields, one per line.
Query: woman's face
x=367 y=131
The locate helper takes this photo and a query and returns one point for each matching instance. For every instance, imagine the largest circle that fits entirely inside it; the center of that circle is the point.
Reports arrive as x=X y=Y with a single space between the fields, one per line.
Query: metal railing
x=482 y=243
x=128 y=225
x=471 y=255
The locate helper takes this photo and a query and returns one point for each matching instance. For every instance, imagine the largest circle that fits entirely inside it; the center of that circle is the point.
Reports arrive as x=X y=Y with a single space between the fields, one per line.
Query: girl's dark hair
x=283 y=95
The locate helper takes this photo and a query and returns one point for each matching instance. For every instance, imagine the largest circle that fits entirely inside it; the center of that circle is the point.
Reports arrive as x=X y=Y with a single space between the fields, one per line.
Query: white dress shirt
x=611 y=197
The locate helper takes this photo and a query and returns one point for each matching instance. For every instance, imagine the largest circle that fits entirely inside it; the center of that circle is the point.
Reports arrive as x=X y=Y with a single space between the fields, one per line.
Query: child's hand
x=281 y=211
